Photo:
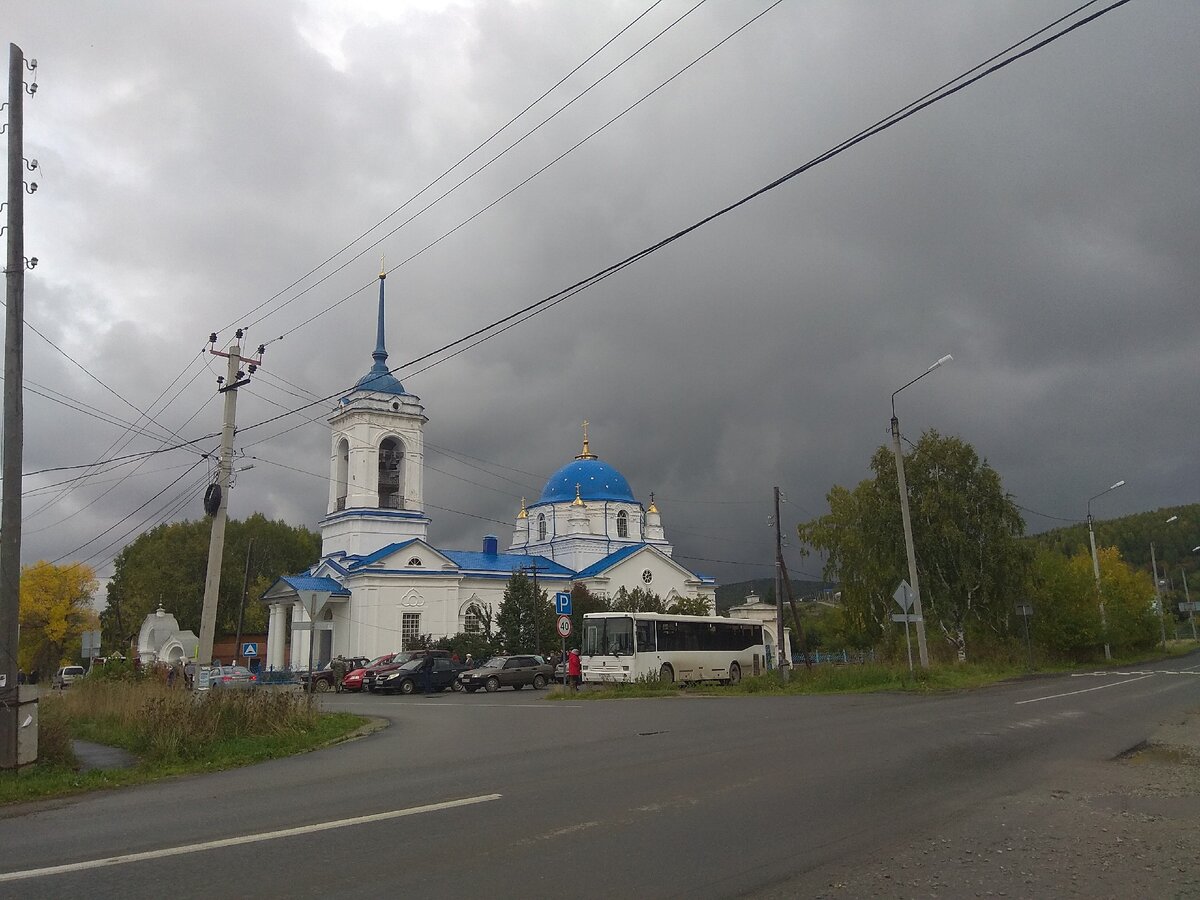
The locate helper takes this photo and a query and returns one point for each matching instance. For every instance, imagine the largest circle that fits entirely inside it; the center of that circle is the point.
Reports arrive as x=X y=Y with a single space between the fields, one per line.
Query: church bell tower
x=376 y=462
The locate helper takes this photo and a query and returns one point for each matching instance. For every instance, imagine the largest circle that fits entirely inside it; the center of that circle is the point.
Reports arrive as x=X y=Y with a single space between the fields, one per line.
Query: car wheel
x=539 y=681
x=666 y=673
x=470 y=690
x=492 y=684
x=735 y=673
x=457 y=686
x=323 y=687
x=407 y=686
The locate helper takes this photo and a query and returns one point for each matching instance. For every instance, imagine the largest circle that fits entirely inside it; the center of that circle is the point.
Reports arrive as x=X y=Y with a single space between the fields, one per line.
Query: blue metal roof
x=611 y=560
x=505 y=562
x=597 y=480
x=308 y=583
x=381 y=553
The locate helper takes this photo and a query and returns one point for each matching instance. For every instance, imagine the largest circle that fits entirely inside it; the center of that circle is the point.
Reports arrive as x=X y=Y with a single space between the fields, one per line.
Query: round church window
x=415 y=561
x=647 y=576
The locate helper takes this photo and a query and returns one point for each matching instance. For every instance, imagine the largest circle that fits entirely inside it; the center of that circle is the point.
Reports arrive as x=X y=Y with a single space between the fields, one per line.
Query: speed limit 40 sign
x=564 y=626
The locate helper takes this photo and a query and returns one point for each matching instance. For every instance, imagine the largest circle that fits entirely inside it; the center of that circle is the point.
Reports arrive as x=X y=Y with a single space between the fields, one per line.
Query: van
x=66 y=676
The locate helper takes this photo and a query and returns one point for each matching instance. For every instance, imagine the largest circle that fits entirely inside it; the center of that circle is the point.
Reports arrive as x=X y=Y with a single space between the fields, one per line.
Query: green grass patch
x=171 y=731
x=831 y=679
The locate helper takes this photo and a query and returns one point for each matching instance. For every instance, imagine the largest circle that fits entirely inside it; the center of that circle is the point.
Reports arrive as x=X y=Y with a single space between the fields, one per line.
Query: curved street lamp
x=922 y=646
x=1096 y=567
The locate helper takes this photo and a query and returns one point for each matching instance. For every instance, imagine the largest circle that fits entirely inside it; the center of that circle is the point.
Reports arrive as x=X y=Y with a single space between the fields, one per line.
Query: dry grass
x=166 y=723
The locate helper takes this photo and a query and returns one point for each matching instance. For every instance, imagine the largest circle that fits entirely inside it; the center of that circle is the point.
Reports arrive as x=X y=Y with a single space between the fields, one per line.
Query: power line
x=461 y=160
x=948 y=89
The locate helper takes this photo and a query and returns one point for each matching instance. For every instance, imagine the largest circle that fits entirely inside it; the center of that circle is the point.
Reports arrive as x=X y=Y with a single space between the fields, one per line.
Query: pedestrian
x=427 y=673
x=454 y=657
x=574 y=669
x=338 y=669
x=469 y=662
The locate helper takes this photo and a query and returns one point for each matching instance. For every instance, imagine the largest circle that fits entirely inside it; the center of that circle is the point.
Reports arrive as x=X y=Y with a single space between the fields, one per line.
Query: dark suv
x=507 y=671
x=373 y=674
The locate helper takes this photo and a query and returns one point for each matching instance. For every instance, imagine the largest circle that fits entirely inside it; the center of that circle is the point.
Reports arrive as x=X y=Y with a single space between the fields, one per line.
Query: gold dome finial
x=382 y=269
x=653 y=507
x=587 y=453
x=578 y=501
x=523 y=514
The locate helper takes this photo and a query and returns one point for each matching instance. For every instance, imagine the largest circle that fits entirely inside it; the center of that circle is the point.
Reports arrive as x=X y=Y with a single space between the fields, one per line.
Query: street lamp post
x=1096 y=568
x=906 y=520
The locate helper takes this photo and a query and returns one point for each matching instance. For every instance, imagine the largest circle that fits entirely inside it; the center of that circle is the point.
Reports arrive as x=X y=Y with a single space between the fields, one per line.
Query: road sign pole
x=908 y=642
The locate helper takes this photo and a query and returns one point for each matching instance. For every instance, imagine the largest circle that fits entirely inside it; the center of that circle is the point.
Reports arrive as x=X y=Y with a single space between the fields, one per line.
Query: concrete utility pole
x=905 y=518
x=782 y=663
x=14 y=415
x=1096 y=569
x=1162 y=613
x=234 y=378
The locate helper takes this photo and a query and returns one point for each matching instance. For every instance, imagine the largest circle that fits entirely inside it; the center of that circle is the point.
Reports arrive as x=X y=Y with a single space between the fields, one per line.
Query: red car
x=354 y=678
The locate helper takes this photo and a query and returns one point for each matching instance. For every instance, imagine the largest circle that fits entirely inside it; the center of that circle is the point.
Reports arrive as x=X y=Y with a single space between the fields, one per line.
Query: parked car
x=323 y=678
x=406 y=679
x=355 y=679
x=507 y=671
x=66 y=676
x=231 y=678
x=374 y=672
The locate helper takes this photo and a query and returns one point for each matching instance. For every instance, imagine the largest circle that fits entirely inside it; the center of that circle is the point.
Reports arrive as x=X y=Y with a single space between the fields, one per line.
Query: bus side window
x=645 y=637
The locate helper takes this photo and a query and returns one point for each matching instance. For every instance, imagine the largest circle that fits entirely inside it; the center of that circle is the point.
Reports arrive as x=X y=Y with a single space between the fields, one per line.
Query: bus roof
x=666 y=617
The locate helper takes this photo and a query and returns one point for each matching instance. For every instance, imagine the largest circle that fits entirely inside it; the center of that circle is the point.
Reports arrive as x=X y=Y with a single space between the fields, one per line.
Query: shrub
x=54 y=734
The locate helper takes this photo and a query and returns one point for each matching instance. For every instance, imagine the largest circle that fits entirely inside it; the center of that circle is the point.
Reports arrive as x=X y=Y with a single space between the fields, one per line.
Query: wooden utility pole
x=14 y=415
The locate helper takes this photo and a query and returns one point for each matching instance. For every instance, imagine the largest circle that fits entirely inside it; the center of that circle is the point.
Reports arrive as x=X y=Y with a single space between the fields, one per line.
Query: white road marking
x=242 y=840
x=1084 y=691
x=501 y=705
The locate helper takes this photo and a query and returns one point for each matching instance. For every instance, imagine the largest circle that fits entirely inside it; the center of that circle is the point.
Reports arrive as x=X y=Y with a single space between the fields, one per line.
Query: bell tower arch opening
x=391 y=473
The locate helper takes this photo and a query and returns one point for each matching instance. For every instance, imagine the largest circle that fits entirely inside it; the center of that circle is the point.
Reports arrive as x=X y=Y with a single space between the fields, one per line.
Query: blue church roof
x=597 y=480
x=505 y=562
x=308 y=583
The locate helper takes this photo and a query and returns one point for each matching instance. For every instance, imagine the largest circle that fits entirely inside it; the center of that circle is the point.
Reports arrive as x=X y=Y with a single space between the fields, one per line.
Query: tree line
x=975 y=565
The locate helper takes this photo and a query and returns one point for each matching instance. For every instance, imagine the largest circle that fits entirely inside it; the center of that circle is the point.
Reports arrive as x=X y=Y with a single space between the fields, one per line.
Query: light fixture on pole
x=922 y=647
x=1096 y=567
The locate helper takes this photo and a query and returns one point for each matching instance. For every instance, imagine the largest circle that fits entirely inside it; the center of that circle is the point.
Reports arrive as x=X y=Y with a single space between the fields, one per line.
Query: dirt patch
x=1120 y=829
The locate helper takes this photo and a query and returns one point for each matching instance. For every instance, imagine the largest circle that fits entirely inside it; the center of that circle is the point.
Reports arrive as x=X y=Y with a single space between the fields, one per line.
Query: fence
x=836 y=657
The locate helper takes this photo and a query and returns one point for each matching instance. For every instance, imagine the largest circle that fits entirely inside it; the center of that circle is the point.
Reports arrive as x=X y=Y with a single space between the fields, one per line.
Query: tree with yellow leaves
x=55 y=610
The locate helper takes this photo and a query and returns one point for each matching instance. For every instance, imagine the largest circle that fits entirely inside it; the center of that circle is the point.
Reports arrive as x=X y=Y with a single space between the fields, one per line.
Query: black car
x=406 y=679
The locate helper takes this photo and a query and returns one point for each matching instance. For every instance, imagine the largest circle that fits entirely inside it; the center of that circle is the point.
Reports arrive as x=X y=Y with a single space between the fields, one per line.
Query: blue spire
x=379 y=378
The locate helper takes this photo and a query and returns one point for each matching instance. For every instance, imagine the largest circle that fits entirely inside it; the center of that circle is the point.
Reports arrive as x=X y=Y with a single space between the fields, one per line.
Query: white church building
x=380 y=582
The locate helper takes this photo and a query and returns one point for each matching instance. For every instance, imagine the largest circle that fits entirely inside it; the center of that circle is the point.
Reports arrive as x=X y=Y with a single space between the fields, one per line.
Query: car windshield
x=377 y=661
x=608 y=636
x=412 y=665
x=496 y=662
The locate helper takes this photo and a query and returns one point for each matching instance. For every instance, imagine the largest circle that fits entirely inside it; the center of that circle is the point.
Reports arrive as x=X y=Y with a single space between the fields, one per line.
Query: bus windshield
x=608 y=637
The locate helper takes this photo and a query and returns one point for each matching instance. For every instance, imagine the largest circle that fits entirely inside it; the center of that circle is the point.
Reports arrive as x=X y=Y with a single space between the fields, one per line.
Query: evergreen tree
x=525 y=621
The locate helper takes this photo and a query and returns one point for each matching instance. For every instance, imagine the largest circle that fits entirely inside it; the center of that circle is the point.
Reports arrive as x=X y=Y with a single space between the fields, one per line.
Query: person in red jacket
x=574 y=669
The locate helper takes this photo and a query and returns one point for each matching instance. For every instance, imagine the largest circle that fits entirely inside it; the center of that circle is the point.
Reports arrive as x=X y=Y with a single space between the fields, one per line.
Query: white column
x=300 y=638
x=276 y=636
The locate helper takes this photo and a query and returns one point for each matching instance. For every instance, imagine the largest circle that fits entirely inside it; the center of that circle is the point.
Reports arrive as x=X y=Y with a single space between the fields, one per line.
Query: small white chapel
x=380 y=583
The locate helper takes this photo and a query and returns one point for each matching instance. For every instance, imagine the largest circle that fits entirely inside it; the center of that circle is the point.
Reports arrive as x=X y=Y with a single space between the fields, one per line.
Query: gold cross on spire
x=587 y=453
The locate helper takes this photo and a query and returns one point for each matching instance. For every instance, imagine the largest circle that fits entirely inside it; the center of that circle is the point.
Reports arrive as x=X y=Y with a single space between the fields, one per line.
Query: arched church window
x=415 y=561
x=471 y=621
x=541 y=526
x=623 y=524
x=391 y=474
x=342 y=473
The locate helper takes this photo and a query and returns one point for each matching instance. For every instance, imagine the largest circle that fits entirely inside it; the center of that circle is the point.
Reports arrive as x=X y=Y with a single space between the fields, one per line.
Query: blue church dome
x=597 y=480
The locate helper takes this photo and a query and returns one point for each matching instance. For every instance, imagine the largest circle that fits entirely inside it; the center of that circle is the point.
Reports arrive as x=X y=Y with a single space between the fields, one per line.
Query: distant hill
x=1132 y=536
x=735 y=594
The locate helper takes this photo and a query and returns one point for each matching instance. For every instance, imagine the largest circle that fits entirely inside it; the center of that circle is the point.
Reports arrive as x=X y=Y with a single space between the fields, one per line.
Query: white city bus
x=627 y=646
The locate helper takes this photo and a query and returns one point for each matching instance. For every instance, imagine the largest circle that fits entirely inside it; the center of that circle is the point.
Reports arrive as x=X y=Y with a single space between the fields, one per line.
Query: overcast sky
x=197 y=159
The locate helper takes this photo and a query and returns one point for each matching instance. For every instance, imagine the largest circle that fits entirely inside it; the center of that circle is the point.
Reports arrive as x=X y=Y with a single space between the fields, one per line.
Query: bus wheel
x=735 y=673
x=666 y=673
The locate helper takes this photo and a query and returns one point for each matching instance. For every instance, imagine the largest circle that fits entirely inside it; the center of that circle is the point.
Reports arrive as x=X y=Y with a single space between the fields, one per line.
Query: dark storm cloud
x=1040 y=226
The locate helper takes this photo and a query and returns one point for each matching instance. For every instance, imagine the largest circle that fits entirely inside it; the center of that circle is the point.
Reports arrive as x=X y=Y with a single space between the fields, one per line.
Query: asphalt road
x=687 y=797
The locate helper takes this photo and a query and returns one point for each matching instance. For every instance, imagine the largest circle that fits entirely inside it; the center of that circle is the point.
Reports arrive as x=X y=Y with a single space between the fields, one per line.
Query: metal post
x=922 y=648
x=1162 y=614
x=14 y=415
x=1028 y=643
x=242 y=608
x=216 y=543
